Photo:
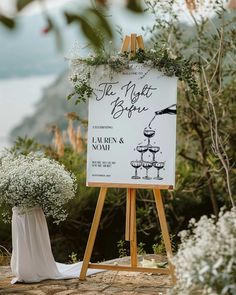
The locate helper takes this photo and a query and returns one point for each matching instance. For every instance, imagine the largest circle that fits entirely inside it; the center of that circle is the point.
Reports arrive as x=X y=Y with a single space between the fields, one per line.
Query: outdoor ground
x=109 y=282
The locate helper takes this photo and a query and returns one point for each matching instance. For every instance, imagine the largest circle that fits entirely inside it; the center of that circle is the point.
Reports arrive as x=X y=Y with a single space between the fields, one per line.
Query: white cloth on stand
x=32 y=259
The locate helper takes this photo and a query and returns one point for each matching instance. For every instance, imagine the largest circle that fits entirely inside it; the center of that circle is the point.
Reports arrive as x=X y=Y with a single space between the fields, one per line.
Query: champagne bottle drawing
x=171 y=110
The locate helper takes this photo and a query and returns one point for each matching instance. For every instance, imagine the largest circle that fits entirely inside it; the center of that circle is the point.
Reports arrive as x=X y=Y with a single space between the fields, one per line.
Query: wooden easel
x=130 y=227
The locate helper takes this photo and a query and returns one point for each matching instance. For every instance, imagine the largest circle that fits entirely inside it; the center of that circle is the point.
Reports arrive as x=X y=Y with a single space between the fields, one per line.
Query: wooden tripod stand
x=130 y=235
x=130 y=228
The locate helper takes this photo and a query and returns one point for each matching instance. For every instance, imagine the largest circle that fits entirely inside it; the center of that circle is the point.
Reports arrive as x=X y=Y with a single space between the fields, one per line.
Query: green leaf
x=69 y=96
x=86 y=28
x=22 y=3
x=102 y=19
x=135 y=6
x=7 y=22
x=50 y=23
x=53 y=27
x=90 y=33
x=70 y=17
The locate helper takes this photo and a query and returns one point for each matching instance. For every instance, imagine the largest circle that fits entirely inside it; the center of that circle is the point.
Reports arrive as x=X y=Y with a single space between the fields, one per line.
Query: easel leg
x=133 y=230
x=128 y=213
x=93 y=232
x=164 y=229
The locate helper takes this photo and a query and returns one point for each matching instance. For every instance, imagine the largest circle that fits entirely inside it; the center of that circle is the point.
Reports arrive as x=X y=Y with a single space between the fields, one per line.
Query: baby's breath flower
x=33 y=180
x=206 y=259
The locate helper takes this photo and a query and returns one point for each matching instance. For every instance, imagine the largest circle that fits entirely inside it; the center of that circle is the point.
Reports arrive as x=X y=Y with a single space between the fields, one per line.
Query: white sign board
x=132 y=128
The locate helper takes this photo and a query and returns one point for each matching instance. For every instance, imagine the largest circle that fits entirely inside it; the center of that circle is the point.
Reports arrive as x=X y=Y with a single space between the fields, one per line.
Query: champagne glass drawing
x=148 y=132
x=142 y=149
x=158 y=166
x=136 y=165
x=154 y=150
x=147 y=165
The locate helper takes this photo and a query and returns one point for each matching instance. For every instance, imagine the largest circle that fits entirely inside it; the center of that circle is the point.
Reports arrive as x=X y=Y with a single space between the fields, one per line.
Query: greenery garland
x=160 y=59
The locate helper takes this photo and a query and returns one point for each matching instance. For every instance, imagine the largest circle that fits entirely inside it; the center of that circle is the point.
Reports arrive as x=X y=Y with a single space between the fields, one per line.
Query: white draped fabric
x=32 y=259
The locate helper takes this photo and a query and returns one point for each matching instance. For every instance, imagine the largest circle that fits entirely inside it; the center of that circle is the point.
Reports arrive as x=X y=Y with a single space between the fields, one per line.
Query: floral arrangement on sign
x=159 y=58
x=206 y=259
x=34 y=180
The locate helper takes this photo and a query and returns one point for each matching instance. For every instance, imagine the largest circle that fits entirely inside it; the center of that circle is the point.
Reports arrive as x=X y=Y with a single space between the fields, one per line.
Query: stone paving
x=105 y=283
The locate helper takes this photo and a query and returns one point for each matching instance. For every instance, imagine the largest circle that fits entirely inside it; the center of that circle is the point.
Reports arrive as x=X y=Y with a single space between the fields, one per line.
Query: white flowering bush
x=206 y=259
x=34 y=180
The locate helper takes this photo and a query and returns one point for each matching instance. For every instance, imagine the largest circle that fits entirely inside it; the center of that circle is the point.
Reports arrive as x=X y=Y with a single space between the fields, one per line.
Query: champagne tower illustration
x=149 y=133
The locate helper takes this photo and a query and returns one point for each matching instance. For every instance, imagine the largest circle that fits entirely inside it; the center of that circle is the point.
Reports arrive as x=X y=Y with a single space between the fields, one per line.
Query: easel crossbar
x=129 y=268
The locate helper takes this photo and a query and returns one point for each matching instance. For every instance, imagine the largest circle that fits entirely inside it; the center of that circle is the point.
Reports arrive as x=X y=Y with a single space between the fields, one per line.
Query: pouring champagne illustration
x=149 y=133
x=171 y=110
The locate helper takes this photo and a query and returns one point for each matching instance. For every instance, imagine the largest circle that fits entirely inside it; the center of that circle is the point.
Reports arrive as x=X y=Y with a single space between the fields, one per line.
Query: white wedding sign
x=132 y=128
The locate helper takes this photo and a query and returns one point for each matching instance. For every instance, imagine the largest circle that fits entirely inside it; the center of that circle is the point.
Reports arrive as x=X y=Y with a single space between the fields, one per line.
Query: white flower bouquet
x=206 y=259
x=34 y=180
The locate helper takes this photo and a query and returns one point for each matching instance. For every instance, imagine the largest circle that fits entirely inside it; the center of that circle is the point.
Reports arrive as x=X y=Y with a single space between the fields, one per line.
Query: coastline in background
x=18 y=97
